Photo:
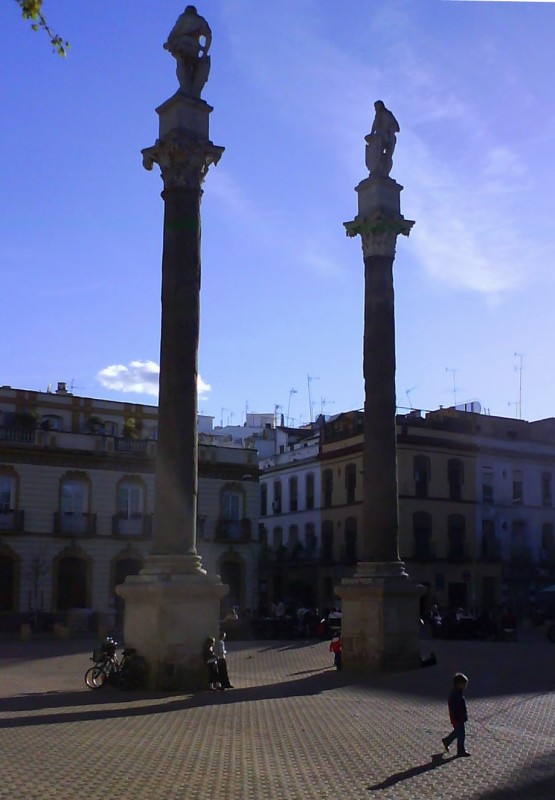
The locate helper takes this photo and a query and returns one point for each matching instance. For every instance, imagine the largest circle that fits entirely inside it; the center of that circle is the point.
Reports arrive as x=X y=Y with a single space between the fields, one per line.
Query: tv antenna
x=291 y=392
x=518 y=368
x=454 y=373
x=408 y=394
x=309 y=379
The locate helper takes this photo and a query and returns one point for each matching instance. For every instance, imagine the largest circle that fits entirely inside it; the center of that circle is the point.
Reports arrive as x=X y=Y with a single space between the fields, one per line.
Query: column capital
x=379 y=232
x=183 y=160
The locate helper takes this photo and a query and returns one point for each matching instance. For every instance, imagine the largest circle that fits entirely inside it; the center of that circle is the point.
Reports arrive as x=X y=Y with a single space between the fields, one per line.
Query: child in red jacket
x=457 y=714
x=335 y=648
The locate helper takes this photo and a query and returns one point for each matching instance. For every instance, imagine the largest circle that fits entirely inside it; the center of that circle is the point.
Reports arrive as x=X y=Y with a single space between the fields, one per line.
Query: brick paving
x=293 y=728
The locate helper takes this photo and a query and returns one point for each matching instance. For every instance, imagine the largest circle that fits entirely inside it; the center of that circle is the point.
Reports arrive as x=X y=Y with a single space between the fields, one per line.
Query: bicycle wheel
x=95 y=677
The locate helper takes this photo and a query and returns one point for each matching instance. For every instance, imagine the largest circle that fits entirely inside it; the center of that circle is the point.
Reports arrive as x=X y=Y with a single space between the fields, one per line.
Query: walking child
x=457 y=714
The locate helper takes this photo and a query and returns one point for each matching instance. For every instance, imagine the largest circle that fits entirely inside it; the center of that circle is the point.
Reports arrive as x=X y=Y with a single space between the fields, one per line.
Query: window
x=7 y=493
x=350 y=482
x=547 y=500
x=263 y=499
x=422 y=535
x=455 y=478
x=350 y=541
x=327 y=480
x=490 y=546
x=278 y=538
x=293 y=497
x=518 y=488
x=487 y=485
x=130 y=500
x=519 y=540
x=74 y=504
x=130 y=512
x=52 y=422
x=310 y=540
x=548 y=540
x=231 y=504
x=276 y=508
x=293 y=536
x=309 y=486
x=421 y=466
x=456 y=533
x=327 y=542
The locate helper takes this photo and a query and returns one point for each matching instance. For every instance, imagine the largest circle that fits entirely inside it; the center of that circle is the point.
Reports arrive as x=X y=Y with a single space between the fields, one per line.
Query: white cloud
x=139 y=377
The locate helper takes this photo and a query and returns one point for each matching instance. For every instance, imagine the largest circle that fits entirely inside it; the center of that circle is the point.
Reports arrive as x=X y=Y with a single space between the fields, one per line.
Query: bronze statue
x=381 y=141
x=189 y=42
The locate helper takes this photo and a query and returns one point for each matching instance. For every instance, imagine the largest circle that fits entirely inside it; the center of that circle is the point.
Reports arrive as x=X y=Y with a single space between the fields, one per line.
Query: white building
x=77 y=497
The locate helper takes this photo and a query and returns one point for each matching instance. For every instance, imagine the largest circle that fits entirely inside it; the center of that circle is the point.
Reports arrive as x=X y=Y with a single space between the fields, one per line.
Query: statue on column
x=381 y=141
x=189 y=43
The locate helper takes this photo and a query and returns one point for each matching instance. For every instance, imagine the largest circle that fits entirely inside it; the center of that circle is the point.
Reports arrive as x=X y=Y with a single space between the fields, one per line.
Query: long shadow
x=313 y=685
x=436 y=762
x=282 y=646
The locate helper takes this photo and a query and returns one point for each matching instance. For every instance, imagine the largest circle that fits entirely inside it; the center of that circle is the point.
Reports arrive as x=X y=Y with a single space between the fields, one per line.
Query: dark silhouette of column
x=184 y=162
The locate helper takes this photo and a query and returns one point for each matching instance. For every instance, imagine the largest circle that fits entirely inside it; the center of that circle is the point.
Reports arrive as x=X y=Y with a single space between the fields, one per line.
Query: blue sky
x=292 y=85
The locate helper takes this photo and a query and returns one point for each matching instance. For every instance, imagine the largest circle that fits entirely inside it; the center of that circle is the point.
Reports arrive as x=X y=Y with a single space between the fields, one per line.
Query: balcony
x=12 y=520
x=75 y=523
x=139 y=446
x=233 y=530
x=17 y=434
x=133 y=526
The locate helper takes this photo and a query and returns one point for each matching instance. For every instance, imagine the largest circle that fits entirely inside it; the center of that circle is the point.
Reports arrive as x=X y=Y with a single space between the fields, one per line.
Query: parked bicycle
x=129 y=673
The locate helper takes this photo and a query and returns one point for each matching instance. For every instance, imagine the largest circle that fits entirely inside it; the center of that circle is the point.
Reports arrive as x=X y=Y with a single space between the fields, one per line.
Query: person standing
x=222 y=663
x=335 y=648
x=457 y=714
x=210 y=659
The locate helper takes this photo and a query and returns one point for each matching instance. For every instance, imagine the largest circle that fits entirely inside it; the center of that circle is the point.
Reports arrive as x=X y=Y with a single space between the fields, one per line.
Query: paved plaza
x=292 y=729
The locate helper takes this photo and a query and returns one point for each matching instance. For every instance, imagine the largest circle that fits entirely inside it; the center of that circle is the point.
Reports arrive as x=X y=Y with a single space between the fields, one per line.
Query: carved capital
x=379 y=233
x=183 y=160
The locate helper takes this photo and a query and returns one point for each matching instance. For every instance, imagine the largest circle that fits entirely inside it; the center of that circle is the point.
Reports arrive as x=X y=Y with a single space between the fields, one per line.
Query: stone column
x=173 y=605
x=380 y=626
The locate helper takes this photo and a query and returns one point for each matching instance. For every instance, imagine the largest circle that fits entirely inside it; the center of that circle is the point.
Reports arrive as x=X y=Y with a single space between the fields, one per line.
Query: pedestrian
x=335 y=648
x=457 y=714
x=210 y=659
x=222 y=663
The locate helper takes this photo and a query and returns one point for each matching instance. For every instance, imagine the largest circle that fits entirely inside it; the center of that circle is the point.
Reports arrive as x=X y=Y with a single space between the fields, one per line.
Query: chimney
x=62 y=387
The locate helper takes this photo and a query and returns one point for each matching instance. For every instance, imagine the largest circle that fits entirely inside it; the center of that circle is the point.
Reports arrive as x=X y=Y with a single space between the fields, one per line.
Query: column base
x=168 y=615
x=380 y=626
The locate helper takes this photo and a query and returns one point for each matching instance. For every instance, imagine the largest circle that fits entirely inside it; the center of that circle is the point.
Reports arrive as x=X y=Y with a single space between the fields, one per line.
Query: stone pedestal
x=169 y=613
x=380 y=604
x=380 y=629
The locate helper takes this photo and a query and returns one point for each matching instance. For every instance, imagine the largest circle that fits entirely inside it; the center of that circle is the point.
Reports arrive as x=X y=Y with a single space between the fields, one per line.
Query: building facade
x=476 y=519
x=76 y=503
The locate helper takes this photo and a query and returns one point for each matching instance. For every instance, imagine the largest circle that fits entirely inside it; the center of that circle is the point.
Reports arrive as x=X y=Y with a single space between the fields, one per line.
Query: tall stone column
x=380 y=625
x=173 y=605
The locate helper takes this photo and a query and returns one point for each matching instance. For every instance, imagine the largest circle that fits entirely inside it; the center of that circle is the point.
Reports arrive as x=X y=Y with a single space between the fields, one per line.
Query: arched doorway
x=7 y=583
x=72 y=583
x=122 y=568
x=231 y=572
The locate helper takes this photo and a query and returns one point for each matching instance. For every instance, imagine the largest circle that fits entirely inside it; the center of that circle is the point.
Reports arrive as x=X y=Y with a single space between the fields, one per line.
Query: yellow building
x=438 y=495
x=76 y=503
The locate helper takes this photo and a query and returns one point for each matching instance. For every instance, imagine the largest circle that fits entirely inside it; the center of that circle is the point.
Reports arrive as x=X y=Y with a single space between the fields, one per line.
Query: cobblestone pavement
x=293 y=728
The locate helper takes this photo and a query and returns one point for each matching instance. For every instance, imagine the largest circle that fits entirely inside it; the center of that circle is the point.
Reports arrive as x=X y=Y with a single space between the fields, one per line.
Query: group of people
x=214 y=657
